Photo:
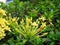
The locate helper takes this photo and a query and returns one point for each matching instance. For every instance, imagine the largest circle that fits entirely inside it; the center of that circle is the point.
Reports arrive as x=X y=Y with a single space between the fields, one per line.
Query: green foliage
x=43 y=29
x=52 y=43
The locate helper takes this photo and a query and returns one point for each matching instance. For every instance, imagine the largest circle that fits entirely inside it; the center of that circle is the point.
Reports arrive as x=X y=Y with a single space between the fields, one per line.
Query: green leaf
x=52 y=43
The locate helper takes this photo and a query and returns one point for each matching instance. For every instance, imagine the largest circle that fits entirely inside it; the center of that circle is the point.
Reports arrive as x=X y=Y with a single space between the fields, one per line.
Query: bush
x=30 y=22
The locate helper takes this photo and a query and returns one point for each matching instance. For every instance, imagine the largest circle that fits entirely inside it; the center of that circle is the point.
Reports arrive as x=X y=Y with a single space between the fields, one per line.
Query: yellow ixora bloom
x=41 y=28
x=7 y=28
x=3 y=27
x=22 y=21
x=43 y=25
x=34 y=24
x=28 y=20
x=14 y=19
x=3 y=22
x=3 y=12
x=44 y=34
x=2 y=34
x=42 y=18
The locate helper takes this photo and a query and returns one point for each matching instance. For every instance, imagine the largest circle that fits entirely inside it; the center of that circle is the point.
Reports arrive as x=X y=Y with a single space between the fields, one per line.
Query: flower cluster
x=3 y=25
x=2 y=33
x=32 y=27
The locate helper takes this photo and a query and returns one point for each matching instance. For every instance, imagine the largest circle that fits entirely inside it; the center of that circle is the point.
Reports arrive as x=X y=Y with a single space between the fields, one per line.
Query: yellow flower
x=14 y=19
x=26 y=27
x=7 y=28
x=43 y=25
x=42 y=18
x=22 y=21
x=44 y=34
x=3 y=22
x=3 y=27
x=3 y=12
x=41 y=28
x=34 y=24
x=37 y=21
x=2 y=34
x=28 y=20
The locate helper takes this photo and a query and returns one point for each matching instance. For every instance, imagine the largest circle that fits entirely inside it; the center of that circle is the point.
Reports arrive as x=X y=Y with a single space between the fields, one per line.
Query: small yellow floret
x=43 y=25
x=2 y=34
x=3 y=12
